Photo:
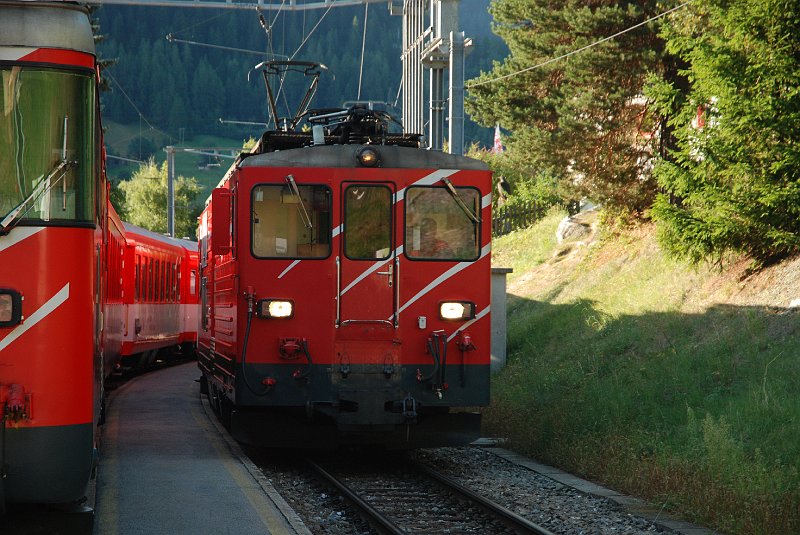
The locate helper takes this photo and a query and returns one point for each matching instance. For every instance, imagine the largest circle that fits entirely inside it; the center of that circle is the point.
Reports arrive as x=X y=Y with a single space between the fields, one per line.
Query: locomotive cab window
x=440 y=227
x=367 y=222
x=46 y=146
x=287 y=225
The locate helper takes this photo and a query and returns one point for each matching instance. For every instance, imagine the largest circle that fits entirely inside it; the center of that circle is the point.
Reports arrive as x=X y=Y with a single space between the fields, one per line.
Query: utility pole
x=170 y=150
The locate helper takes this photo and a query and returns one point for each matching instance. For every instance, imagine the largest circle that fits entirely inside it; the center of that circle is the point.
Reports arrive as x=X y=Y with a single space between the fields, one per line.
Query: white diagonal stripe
x=17 y=235
x=285 y=271
x=443 y=277
x=53 y=303
x=334 y=233
x=432 y=178
x=480 y=314
x=14 y=53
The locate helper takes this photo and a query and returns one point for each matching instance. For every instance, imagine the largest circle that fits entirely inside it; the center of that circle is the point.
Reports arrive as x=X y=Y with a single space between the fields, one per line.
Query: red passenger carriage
x=161 y=289
x=346 y=288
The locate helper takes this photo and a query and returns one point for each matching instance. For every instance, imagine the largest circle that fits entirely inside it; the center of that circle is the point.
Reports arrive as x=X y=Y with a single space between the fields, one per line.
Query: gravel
x=552 y=505
x=557 y=507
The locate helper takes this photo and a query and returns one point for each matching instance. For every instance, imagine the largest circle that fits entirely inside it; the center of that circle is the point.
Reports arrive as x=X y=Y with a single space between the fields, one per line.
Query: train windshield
x=291 y=221
x=46 y=146
x=438 y=227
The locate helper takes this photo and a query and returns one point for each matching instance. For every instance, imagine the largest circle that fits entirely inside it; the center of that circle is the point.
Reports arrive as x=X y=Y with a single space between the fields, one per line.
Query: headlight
x=457 y=310
x=368 y=157
x=10 y=307
x=275 y=308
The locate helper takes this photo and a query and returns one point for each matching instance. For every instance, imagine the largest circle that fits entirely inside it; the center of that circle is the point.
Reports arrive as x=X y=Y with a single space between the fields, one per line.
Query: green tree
x=578 y=119
x=732 y=180
x=146 y=200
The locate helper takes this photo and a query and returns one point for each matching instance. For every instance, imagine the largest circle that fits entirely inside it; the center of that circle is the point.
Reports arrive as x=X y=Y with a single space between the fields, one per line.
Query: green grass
x=523 y=249
x=611 y=375
x=118 y=138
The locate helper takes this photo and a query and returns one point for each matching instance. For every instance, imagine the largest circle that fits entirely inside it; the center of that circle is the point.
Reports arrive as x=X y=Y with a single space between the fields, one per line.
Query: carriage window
x=367 y=222
x=285 y=225
x=136 y=279
x=439 y=227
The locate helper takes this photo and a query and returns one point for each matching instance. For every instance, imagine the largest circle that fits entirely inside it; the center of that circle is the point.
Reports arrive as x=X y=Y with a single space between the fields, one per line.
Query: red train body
x=53 y=238
x=66 y=283
x=330 y=312
x=161 y=296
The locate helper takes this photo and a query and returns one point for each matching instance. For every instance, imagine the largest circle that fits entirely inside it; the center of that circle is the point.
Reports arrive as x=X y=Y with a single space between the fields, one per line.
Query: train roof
x=45 y=25
x=391 y=156
x=167 y=240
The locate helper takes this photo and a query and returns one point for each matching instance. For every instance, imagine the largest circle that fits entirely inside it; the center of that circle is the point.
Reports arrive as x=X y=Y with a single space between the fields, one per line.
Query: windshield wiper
x=45 y=185
x=302 y=206
x=452 y=190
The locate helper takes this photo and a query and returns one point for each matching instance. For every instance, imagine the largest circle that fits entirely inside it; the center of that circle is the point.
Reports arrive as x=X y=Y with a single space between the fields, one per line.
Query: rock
x=571 y=228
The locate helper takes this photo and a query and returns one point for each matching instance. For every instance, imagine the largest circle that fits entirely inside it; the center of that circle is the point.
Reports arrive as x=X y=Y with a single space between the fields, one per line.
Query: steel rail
x=510 y=518
x=385 y=525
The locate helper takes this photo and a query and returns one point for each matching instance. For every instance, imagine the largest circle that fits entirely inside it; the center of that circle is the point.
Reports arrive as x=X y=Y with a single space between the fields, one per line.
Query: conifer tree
x=579 y=119
x=732 y=180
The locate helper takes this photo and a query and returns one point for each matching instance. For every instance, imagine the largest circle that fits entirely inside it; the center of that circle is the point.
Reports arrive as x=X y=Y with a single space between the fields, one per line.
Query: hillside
x=180 y=87
x=674 y=383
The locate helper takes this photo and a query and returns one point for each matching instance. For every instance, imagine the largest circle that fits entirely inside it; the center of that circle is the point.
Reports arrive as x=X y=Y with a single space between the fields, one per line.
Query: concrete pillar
x=499 y=318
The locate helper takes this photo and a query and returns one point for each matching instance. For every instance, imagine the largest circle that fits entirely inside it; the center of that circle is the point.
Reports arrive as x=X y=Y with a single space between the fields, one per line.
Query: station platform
x=168 y=467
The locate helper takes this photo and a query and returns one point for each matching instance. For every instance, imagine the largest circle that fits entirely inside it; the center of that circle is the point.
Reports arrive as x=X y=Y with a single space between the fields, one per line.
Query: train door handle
x=388 y=273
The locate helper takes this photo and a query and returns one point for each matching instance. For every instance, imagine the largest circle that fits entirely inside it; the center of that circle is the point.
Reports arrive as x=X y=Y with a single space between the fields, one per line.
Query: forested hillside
x=182 y=89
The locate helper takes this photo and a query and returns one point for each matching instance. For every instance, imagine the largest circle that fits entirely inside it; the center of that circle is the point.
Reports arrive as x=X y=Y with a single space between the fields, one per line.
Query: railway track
x=411 y=498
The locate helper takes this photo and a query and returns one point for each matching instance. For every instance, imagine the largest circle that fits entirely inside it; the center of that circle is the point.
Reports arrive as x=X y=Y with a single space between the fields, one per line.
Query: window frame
x=329 y=221
x=388 y=186
x=478 y=226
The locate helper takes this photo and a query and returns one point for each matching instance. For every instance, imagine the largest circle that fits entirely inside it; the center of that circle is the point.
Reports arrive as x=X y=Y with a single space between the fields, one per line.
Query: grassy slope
x=118 y=138
x=677 y=384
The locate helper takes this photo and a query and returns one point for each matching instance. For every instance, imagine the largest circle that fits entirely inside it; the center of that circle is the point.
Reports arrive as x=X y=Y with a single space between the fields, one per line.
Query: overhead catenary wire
x=313 y=29
x=107 y=72
x=297 y=51
x=572 y=53
x=363 y=43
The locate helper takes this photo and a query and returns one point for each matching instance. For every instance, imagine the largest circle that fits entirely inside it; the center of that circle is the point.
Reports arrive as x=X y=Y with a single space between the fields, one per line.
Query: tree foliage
x=515 y=181
x=146 y=200
x=732 y=180
x=578 y=119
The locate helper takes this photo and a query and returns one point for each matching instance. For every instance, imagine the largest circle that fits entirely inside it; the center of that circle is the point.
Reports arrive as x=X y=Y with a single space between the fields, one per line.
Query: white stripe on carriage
x=53 y=303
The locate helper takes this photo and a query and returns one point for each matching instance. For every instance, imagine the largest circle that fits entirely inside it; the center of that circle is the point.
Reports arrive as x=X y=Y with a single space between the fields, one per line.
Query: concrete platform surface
x=166 y=467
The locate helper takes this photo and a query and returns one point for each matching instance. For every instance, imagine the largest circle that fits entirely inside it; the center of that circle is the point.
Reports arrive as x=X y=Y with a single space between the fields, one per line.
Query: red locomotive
x=346 y=286
x=54 y=229
x=161 y=303
x=70 y=295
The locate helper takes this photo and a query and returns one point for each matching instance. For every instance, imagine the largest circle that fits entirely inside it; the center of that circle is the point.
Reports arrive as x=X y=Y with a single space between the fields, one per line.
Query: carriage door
x=366 y=263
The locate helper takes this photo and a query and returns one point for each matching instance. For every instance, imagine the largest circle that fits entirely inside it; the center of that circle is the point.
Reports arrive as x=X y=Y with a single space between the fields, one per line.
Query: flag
x=497 y=148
